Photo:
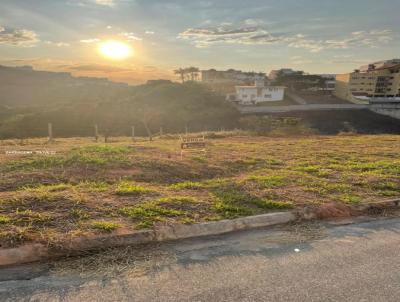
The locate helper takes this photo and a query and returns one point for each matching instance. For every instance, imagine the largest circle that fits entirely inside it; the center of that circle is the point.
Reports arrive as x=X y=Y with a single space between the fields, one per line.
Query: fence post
x=133 y=132
x=161 y=131
x=50 y=132
x=96 y=132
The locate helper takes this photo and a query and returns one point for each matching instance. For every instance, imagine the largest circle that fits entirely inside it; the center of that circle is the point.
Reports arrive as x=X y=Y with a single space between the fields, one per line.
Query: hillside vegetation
x=149 y=107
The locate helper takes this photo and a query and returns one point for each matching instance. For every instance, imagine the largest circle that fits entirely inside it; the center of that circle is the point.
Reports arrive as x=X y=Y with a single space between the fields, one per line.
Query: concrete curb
x=39 y=252
x=182 y=231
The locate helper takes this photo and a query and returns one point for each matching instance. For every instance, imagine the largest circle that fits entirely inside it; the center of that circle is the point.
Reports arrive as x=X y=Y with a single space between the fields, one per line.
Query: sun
x=115 y=50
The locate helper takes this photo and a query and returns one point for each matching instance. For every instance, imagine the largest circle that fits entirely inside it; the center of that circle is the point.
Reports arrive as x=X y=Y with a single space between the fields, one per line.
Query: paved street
x=317 y=262
x=292 y=108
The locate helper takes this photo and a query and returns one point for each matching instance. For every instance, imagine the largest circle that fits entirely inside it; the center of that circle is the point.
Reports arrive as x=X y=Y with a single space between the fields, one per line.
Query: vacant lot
x=88 y=187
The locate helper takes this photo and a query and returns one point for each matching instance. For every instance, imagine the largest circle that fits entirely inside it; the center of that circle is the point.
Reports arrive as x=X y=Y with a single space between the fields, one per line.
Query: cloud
x=299 y=60
x=18 y=37
x=130 y=36
x=254 y=22
x=252 y=32
x=110 y=3
x=86 y=3
x=149 y=32
x=93 y=40
x=204 y=37
x=58 y=44
x=127 y=36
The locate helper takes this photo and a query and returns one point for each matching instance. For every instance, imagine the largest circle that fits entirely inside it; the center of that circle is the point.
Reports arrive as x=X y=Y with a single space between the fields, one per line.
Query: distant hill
x=24 y=86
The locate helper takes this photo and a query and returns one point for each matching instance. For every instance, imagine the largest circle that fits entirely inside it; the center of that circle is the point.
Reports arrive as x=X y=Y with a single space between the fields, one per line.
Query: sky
x=317 y=36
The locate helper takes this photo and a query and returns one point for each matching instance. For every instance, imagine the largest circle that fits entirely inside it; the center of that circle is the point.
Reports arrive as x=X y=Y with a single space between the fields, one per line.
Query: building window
x=267 y=96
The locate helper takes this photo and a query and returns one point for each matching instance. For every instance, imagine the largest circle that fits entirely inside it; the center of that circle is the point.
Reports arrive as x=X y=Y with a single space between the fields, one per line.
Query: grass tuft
x=4 y=219
x=105 y=226
x=187 y=185
x=130 y=188
x=274 y=205
x=176 y=200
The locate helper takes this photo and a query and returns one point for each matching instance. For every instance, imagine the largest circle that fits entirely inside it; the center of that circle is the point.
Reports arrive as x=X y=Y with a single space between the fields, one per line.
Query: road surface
x=293 y=108
x=314 y=262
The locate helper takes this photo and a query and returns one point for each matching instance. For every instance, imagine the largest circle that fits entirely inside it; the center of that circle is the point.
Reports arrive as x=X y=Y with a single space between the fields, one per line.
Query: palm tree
x=193 y=71
x=182 y=73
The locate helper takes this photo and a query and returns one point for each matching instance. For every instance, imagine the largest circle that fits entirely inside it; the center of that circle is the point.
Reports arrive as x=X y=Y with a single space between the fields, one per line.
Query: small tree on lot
x=108 y=117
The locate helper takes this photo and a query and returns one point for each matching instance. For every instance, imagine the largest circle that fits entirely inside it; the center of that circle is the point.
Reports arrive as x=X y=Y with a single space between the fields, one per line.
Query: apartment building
x=376 y=80
x=330 y=82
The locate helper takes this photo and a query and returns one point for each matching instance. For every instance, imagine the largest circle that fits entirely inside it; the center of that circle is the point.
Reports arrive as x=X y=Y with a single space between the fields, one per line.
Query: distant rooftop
x=380 y=65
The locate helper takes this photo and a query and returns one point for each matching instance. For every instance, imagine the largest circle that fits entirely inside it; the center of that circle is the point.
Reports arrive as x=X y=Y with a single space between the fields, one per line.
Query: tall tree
x=193 y=73
x=182 y=73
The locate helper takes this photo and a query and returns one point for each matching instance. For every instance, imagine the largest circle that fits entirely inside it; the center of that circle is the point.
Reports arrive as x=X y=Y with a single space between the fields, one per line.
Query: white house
x=252 y=95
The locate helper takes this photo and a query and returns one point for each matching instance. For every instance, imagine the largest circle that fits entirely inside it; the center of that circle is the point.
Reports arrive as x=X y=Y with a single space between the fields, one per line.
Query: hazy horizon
x=64 y=35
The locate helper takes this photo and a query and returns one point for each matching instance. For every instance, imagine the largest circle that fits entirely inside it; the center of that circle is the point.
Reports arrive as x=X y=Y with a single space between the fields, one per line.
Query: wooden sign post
x=193 y=144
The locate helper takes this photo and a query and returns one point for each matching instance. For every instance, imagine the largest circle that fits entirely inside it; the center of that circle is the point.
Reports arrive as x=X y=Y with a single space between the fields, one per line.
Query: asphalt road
x=308 y=107
x=317 y=262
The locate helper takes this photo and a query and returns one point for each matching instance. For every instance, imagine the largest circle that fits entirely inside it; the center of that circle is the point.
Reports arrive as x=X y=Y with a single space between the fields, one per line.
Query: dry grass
x=87 y=188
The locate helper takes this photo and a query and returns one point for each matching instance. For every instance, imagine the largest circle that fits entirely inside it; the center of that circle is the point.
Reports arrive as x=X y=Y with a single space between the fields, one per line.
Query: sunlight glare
x=115 y=50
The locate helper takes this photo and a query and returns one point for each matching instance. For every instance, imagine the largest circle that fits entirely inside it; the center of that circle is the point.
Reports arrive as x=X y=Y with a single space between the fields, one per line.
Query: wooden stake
x=96 y=132
x=133 y=133
x=50 y=131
